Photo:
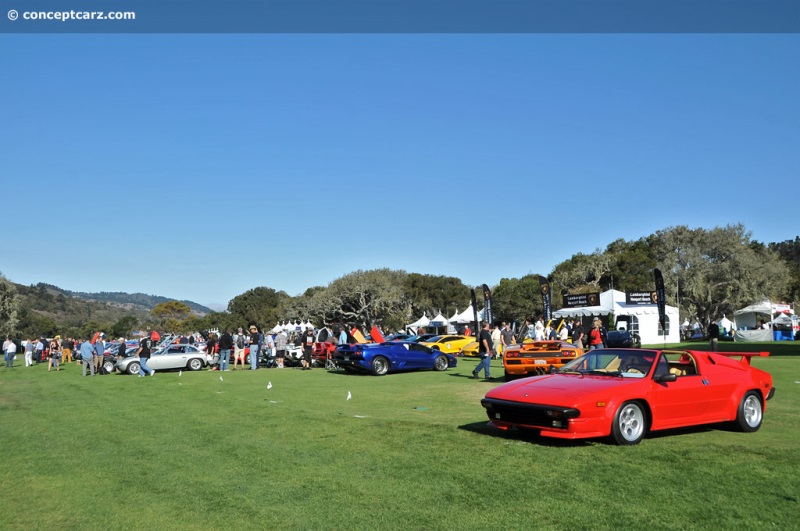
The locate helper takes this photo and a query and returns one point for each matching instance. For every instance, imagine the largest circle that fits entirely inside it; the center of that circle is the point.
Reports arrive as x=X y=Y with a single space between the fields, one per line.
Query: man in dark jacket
x=485 y=348
x=308 y=348
x=225 y=347
x=578 y=334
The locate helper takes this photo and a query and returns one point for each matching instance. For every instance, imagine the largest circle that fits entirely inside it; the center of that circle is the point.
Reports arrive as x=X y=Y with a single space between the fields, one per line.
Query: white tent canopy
x=782 y=319
x=422 y=321
x=454 y=317
x=746 y=322
x=440 y=319
x=725 y=324
x=644 y=317
x=467 y=316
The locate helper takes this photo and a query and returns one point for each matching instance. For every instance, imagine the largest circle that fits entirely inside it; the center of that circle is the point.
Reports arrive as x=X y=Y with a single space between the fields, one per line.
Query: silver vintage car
x=170 y=357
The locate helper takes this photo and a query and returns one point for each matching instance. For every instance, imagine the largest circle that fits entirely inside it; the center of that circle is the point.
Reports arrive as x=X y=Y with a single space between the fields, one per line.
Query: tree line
x=708 y=273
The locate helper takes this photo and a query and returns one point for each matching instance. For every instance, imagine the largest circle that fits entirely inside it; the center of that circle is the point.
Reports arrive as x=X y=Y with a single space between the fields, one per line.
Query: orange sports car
x=530 y=359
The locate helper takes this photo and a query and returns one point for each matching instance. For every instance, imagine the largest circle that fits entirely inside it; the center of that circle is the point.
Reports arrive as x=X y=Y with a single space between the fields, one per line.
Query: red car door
x=684 y=402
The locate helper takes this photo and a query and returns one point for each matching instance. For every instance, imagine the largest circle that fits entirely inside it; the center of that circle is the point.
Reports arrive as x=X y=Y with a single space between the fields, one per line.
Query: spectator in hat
x=255 y=347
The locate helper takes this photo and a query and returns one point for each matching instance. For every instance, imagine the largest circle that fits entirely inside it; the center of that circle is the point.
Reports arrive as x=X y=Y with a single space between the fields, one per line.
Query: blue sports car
x=381 y=358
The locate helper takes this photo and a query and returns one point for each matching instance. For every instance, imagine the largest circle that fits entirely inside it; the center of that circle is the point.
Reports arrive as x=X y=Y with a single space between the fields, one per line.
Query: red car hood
x=561 y=389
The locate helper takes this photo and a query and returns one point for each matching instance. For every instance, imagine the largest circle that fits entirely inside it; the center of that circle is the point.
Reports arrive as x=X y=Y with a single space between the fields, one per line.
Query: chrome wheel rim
x=631 y=422
x=380 y=366
x=752 y=411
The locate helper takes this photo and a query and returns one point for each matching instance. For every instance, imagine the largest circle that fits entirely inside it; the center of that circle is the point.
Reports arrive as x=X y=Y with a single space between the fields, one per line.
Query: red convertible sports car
x=624 y=393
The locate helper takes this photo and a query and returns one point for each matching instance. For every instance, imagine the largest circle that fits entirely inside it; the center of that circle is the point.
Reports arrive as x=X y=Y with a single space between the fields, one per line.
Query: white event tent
x=422 y=321
x=466 y=317
x=644 y=317
x=746 y=320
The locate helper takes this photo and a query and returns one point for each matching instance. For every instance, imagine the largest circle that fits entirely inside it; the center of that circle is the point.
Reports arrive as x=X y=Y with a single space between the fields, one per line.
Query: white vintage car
x=171 y=357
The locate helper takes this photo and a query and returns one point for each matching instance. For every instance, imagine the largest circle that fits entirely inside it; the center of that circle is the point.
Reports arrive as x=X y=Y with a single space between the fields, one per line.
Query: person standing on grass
x=506 y=336
x=225 y=347
x=255 y=347
x=55 y=354
x=281 y=340
x=99 y=350
x=577 y=334
x=67 y=346
x=308 y=348
x=713 y=335
x=87 y=356
x=9 y=352
x=39 y=349
x=121 y=349
x=144 y=356
x=497 y=342
x=485 y=350
x=239 y=341
x=29 y=348
x=211 y=350
x=597 y=335
x=563 y=332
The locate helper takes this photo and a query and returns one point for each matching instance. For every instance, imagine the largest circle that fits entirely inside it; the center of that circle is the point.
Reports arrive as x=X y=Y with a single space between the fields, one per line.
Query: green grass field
x=408 y=451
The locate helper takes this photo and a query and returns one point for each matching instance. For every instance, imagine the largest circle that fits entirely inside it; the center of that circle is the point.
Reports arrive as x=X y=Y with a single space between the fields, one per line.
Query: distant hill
x=46 y=309
x=135 y=299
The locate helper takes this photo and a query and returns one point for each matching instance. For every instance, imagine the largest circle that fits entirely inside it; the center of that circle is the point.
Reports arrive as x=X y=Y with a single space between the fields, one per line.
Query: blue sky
x=200 y=166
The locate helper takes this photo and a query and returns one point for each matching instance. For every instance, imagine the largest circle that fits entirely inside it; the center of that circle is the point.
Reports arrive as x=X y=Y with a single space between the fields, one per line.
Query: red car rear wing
x=744 y=355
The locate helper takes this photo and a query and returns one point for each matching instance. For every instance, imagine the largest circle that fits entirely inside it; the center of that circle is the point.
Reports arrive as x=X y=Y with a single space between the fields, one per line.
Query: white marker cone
x=269 y=385
x=349 y=396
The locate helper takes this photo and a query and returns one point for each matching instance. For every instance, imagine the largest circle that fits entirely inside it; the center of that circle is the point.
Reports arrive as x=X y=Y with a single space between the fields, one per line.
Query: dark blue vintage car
x=381 y=358
x=622 y=339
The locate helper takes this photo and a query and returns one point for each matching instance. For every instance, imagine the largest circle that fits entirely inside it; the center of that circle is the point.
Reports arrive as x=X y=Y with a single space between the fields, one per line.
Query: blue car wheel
x=380 y=366
x=440 y=363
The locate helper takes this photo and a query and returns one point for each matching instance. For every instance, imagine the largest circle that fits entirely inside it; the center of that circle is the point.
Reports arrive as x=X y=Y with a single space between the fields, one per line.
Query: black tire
x=510 y=377
x=750 y=413
x=440 y=363
x=630 y=424
x=109 y=366
x=195 y=364
x=380 y=365
x=133 y=368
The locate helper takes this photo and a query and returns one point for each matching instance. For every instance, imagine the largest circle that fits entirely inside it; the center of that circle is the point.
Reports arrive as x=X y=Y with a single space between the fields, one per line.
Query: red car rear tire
x=750 y=413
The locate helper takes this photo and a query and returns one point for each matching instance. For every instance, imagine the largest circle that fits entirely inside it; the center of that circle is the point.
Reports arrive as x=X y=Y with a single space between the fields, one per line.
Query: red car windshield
x=632 y=363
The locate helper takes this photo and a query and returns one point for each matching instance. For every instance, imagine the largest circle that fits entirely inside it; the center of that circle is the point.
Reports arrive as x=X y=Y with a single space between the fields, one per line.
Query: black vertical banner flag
x=487 y=305
x=544 y=286
x=475 y=311
x=661 y=300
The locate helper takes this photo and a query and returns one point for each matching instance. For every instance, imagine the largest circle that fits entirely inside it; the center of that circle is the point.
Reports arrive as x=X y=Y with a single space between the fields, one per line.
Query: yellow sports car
x=448 y=344
x=470 y=350
x=530 y=359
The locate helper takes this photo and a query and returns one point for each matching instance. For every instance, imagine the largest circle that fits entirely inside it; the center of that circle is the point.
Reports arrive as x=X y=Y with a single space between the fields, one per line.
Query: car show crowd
x=302 y=347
